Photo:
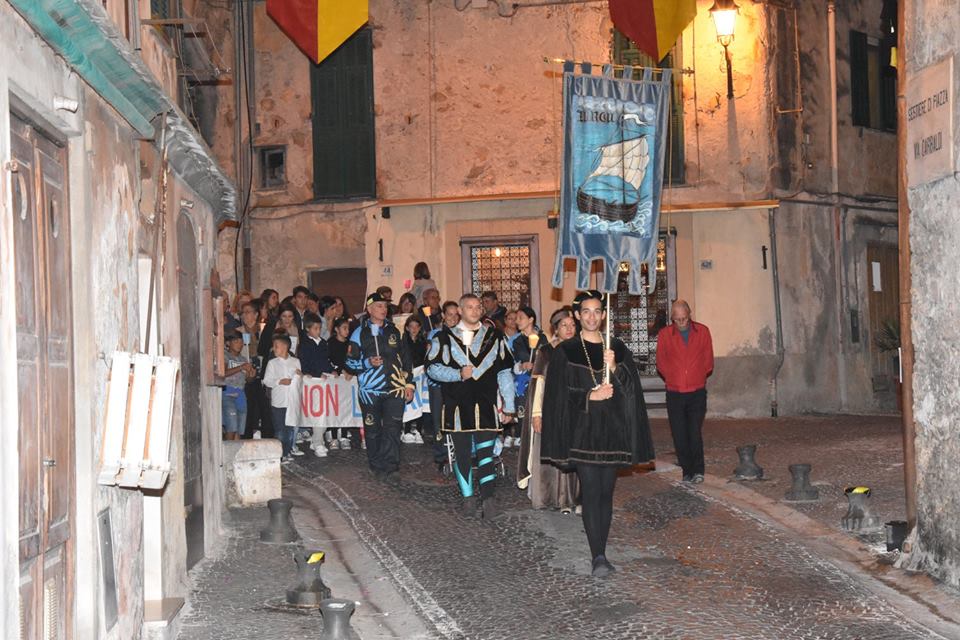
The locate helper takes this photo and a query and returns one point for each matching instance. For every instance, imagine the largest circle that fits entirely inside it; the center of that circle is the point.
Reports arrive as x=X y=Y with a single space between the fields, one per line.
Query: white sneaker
x=345 y=443
x=333 y=444
x=302 y=435
x=297 y=452
x=256 y=435
x=286 y=460
x=507 y=442
x=417 y=438
x=363 y=444
x=407 y=438
x=320 y=451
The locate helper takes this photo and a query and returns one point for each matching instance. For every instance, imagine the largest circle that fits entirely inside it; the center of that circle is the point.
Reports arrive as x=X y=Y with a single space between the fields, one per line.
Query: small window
x=873 y=83
x=272 y=167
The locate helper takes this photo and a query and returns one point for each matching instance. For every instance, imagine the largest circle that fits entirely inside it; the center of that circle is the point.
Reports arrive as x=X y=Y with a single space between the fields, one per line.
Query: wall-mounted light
x=724 y=14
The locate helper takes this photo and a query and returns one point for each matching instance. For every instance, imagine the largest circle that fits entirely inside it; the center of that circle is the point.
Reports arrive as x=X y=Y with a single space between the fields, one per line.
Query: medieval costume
x=596 y=437
x=548 y=486
x=469 y=410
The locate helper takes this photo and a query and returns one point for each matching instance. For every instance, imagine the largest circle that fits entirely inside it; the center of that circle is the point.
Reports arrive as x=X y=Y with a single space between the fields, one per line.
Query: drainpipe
x=903 y=238
x=834 y=191
x=772 y=220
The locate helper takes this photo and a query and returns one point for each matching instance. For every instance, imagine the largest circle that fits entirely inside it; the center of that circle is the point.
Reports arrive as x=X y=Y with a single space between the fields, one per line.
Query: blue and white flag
x=615 y=139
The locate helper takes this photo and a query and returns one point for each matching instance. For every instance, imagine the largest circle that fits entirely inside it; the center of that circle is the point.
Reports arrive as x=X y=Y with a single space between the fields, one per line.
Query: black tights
x=596 y=486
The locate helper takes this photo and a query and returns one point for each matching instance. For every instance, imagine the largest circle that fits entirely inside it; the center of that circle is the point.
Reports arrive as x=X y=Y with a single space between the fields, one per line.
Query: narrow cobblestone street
x=689 y=566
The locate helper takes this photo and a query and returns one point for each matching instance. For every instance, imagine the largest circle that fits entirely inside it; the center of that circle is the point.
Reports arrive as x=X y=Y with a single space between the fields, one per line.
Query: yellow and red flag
x=654 y=25
x=318 y=27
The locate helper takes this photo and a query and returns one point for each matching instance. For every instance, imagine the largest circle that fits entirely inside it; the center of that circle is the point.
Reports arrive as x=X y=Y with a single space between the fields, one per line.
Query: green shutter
x=859 y=79
x=625 y=52
x=344 y=159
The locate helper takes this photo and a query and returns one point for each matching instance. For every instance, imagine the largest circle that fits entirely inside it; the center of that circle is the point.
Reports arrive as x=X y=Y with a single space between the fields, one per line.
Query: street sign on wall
x=930 y=146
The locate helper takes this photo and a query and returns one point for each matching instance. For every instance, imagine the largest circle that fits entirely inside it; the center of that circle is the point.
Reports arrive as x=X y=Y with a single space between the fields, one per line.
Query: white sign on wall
x=930 y=98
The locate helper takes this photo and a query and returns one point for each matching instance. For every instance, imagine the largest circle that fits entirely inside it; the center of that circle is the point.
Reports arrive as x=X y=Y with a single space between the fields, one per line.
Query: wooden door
x=348 y=283
x=45 y=382
x=883 y=275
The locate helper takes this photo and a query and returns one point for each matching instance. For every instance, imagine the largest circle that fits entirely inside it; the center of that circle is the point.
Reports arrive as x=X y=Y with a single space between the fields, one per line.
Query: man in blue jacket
x=377 y=356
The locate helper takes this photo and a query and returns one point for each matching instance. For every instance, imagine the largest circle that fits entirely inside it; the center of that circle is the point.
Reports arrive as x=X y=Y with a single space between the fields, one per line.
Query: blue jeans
x=287 y=435
x=233 y=408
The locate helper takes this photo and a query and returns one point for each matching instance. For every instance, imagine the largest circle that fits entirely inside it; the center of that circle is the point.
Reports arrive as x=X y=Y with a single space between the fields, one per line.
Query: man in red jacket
x=684 y=360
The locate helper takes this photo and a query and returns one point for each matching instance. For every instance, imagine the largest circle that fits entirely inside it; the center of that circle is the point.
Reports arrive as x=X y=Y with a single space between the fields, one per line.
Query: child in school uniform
x=314 y=362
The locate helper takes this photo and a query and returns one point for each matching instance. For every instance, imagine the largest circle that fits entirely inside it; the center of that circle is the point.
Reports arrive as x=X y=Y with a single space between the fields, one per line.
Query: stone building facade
x=80 y=150
x=467 y=135
x=929 y=39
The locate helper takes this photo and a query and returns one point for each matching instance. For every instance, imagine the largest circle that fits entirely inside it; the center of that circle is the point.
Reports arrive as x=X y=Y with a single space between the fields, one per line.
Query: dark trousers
x=286 y=435
x=597 y=482
x=686 y=412
x=465 y=446
x=433 y=426
x=258 y=410
x=382 y=423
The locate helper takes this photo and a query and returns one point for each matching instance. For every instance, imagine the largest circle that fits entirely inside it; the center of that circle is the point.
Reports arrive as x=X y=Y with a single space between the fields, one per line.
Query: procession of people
x=569 y=399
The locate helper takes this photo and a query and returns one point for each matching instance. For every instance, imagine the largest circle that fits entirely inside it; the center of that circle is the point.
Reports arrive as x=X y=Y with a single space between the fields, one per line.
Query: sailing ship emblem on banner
x=615 y=134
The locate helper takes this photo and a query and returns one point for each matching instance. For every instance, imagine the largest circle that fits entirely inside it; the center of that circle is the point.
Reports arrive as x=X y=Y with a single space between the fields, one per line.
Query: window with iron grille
x=624 y=51
x=636 y=319
x=344 y=157
x=501 y=268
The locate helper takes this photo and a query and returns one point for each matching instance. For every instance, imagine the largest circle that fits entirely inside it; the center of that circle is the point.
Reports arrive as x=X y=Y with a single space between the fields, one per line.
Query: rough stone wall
x=931 y=28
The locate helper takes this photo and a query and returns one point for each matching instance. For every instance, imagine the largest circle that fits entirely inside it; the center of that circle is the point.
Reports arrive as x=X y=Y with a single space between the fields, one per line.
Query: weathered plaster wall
x=931 y=28
x=289 y=242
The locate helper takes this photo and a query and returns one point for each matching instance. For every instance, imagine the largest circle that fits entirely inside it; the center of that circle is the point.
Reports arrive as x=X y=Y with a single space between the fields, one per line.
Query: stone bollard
x=280 y=530
x=336 y=618
x=858 y=516
x=748 y=469
x=309 y=590
x=801 y=491
x=896 y=531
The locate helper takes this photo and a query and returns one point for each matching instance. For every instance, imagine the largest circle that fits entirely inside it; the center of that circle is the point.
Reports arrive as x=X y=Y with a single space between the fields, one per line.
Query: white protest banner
x=331 y=402
x=421 y=397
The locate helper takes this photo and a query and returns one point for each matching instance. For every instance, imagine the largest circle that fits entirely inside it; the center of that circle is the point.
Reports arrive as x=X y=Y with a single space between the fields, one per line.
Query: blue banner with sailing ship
x=615 y=140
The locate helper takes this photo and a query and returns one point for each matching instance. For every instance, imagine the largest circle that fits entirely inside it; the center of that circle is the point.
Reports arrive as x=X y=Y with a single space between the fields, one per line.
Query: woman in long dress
x=547 y=485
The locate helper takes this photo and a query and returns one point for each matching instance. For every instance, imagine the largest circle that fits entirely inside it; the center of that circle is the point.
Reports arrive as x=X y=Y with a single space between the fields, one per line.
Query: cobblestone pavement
x=689 y=567
x=844 y=451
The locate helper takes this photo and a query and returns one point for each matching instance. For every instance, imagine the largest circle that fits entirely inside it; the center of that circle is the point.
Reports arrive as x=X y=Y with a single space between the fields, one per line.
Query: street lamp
x=724 y=14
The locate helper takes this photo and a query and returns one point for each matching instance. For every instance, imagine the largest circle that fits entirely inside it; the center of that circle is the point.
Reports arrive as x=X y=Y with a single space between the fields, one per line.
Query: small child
x=234 y=400
x=315 y=363
x=279 y=379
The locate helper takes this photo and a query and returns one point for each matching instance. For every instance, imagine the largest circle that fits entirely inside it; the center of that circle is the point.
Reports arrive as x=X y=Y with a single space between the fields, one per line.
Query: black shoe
x=470 y=507
x=492 y=508
x=687 y=478
x=697 y=478
x=392 y=478
x=601 y=567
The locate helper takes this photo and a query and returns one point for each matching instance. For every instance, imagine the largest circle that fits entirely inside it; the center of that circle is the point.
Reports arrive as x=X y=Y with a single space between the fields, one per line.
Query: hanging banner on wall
x=615 y=138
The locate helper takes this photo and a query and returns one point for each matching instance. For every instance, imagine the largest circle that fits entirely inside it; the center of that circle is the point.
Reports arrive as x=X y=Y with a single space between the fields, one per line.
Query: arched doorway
x=188 y=283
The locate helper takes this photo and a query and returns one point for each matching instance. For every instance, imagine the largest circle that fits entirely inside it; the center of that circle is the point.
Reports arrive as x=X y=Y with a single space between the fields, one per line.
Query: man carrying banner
x=593 y=425
x=376 y=355
x=474 y=365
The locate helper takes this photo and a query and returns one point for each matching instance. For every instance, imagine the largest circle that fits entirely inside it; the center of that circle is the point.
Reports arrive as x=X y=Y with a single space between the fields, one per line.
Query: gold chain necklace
x=593 y=376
